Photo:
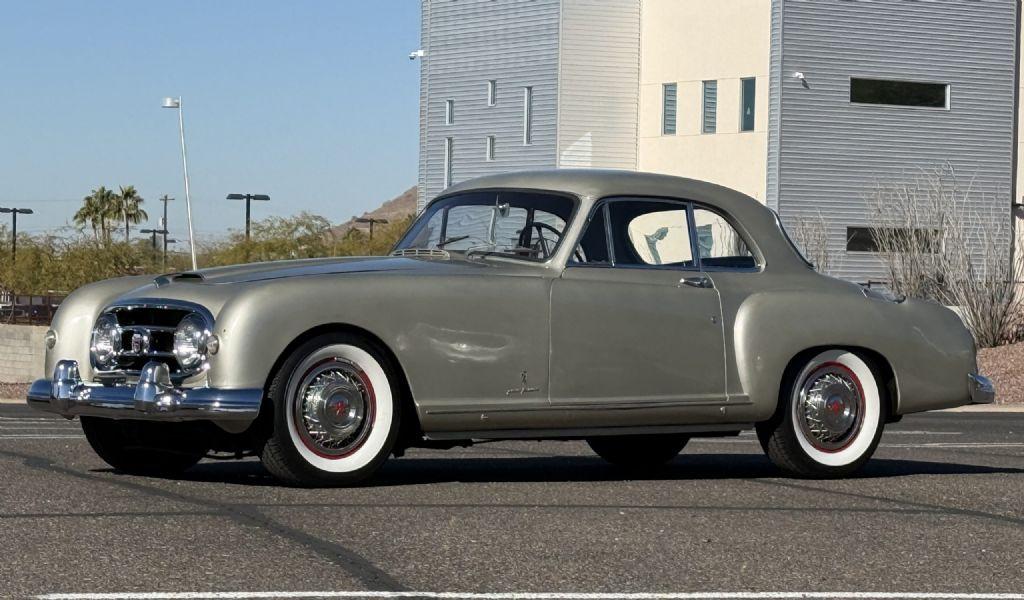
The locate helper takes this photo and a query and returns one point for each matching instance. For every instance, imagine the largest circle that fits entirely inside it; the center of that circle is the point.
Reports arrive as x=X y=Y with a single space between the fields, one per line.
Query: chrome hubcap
x=830 y=409
x=334 y=408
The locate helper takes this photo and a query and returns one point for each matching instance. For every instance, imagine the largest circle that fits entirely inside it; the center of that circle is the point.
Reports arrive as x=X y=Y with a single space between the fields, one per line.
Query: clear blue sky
x=312 y=102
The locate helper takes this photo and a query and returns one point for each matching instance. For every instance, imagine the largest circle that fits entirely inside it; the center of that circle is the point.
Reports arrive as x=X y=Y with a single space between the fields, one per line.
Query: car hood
x=321 y=266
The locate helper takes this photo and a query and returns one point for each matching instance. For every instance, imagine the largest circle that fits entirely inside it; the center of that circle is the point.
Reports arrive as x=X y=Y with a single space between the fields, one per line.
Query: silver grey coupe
x=630 y=310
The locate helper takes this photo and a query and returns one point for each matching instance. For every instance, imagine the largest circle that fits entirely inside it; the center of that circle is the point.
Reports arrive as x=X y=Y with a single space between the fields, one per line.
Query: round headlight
x=106 y=340
x=50 y=339
x=190 y=342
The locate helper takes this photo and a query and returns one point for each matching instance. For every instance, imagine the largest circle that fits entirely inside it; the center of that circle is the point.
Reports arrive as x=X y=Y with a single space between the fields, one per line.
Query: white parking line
x=542 y=596
x=39 y=436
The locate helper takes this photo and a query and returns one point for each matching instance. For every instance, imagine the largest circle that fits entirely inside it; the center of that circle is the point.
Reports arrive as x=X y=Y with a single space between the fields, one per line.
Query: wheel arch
x=410 y=412
x=875 y=360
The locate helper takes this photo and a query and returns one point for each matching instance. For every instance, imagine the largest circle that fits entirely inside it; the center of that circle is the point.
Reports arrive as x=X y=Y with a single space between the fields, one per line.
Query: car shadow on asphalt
x=567 y=469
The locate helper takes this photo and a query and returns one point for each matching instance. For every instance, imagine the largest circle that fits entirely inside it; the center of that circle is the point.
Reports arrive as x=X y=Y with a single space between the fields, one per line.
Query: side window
x=719 y=244
x=646 y=232
x=593 y=246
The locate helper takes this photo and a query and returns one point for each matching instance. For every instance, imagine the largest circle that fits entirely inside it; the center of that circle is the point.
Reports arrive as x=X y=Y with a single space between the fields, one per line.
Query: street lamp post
x=248 y=199
x=163 y=224
x=372 y=222
x=154 y=233
x=176 y=103
x=14 y=228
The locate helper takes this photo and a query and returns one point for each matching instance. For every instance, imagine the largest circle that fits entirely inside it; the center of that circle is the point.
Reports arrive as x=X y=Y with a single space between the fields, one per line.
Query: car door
x=634 y=322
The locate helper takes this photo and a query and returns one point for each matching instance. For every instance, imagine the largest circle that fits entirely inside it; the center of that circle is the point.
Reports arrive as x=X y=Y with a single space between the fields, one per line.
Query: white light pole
x=176 y=103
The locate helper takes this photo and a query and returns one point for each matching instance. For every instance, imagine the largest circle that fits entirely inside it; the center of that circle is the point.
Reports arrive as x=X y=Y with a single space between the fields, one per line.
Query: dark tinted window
x=900 y=93
x=593 y=246
x=867 y=239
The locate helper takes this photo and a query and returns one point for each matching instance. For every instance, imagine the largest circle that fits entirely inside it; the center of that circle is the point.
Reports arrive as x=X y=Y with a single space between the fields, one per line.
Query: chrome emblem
x=140 y=342
x=524 y=389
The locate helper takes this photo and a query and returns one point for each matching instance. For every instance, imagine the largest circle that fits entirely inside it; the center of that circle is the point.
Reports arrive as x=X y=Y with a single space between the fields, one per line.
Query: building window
x=449 y=112
x=449 y=147
x=899 y=93
x=709 y=107
x=527 y=116
x=492 y=92
x=490 y=147
x=748 y=89
x=869 y=239
x=668 y=109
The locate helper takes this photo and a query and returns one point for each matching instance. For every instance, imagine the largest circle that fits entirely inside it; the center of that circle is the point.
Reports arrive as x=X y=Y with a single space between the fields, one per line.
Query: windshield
x=526 y=225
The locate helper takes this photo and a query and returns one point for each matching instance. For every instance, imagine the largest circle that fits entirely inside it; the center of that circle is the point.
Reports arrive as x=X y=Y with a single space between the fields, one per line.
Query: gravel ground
x=13 y=390
x=1005 y=366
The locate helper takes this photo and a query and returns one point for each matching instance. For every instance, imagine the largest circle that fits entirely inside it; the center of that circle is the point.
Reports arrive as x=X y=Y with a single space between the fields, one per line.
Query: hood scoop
x=422 y=253
x=163 y=280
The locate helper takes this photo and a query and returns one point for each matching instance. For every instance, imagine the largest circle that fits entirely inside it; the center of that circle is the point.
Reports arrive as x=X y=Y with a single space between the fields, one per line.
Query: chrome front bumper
x=153 y=398
x=983 y=391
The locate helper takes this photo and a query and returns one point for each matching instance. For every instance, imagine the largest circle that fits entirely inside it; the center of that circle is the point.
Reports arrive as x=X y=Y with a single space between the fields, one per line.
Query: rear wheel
x=638 y=451
x=831 y=418
x=336 y=412
x=144 y=448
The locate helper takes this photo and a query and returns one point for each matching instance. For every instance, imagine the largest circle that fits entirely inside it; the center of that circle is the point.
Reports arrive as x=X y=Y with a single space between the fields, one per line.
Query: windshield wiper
x=451 y=240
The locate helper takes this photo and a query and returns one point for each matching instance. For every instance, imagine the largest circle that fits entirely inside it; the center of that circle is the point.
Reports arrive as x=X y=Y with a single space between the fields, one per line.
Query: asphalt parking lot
x=939 y=511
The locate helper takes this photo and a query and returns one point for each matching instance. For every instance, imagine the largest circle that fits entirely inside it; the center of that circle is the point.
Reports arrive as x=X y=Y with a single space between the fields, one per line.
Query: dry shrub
x=936 y=244
x=811 y=235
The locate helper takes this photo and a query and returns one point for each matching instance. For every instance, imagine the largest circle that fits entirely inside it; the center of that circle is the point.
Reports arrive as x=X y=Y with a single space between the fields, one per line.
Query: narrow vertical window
x=449 y=112
x=748 y=88
x=448 y=149
x=668 y=109
x=709 y=107
x=527 y=116
x=490 y=147
x=492 y=92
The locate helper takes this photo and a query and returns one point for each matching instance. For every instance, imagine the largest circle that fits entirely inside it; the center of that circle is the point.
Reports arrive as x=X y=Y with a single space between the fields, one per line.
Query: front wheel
x=143 y=448
x=336 y=412
x=831 y=417
x=638 y=451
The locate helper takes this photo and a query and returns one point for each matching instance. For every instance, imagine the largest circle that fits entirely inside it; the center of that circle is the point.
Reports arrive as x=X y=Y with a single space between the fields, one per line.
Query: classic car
x=630 y=310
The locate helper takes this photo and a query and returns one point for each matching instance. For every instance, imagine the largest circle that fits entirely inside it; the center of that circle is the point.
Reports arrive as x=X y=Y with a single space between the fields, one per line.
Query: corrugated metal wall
x=599 y=84
x=831 y=152
x=467 y=43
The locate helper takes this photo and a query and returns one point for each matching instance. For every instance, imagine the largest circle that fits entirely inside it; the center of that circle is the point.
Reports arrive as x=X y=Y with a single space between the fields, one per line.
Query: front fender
x=76 y=316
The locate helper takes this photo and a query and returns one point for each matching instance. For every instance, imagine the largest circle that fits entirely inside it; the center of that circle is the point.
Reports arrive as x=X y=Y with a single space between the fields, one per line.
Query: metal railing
x=28 y=309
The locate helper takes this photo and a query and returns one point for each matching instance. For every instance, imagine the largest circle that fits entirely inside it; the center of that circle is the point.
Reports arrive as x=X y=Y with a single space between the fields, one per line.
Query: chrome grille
x=147 y=334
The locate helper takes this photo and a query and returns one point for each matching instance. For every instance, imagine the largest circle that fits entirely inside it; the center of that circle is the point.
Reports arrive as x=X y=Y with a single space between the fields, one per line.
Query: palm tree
x=96 y=209
x=129 y=205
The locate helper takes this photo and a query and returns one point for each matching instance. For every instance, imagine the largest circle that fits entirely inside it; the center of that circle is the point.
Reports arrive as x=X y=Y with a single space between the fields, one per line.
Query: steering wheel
x=542 y=241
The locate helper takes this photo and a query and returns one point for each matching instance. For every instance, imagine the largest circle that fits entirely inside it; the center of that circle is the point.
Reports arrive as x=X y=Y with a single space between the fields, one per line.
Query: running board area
x=709 y=430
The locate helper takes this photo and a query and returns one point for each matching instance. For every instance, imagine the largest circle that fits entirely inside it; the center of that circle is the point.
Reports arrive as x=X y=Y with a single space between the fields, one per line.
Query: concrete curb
x=987 y=408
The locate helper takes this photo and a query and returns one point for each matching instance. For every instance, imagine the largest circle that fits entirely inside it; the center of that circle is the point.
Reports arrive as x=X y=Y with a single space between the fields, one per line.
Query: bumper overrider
x=153 y=398
x=983 y=391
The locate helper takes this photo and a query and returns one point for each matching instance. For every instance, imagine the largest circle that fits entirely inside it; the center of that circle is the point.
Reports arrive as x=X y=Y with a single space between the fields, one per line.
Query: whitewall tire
x=831 y=416
x=336 y=412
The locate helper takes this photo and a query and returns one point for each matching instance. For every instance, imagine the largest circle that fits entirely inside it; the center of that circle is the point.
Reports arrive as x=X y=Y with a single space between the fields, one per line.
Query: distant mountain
x=393 y=210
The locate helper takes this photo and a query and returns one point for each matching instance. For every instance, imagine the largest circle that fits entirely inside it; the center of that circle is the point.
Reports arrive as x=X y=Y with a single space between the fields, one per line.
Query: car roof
x=593 y=184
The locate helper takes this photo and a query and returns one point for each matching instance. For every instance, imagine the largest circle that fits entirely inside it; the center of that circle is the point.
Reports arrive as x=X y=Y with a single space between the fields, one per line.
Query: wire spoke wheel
x=334 y=408
x=830 y=407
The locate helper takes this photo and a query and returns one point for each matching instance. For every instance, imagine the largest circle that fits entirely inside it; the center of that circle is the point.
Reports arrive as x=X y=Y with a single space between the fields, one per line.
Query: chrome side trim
x=982 y=390
x=154 y=398
x=584 y=432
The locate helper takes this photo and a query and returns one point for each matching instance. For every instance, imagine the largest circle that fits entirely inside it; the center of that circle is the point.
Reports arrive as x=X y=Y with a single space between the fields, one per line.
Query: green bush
x=59 y=263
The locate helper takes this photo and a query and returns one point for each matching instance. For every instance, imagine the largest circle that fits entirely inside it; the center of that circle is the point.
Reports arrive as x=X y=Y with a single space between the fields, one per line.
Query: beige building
x=724 y=42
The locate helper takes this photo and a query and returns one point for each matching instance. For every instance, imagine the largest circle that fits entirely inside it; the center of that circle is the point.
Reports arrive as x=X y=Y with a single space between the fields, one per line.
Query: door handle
x=699 y=281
